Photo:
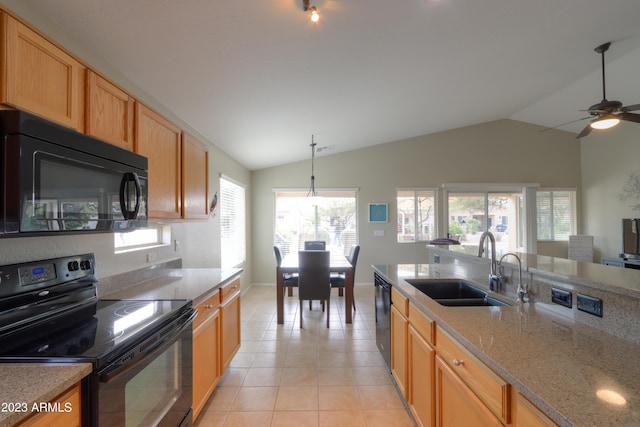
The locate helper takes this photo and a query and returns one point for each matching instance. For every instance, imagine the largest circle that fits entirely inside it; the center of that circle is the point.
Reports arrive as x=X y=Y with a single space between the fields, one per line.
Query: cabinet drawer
x=489 y=387
x=206 y=309
x=400 y=302
x=422 y=323
x=229 y=289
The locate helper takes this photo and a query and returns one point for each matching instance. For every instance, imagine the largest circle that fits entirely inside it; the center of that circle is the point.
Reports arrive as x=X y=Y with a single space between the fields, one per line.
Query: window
x=473 y=209
x=232 y=223
x=416 y=215
x=142 y=239
x=331 y=217
x=556 y=214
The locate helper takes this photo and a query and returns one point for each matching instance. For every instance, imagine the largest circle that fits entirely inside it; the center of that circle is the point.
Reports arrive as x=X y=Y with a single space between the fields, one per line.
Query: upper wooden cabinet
x=160 y=141
x=195 y=178
x=39 y=77
x=109 y=112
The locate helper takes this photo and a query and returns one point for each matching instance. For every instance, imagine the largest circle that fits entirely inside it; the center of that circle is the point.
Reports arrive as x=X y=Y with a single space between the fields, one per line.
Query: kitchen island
x=560 y=365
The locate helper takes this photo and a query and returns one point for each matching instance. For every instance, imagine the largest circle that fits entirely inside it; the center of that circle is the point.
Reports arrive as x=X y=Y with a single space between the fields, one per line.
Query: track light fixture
x=314 y=12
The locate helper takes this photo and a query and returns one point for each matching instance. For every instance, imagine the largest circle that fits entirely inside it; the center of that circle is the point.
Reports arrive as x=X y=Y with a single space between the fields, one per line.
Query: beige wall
x=503 y=151
x=608 y=160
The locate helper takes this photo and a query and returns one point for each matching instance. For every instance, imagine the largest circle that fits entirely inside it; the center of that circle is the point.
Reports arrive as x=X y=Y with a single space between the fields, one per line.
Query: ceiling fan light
x=605 y=122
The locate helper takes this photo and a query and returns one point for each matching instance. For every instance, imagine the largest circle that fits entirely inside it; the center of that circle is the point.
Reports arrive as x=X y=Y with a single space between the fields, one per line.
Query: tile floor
x=286 y=376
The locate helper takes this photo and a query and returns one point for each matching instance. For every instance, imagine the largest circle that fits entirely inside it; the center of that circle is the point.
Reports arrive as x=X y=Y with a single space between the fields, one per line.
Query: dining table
x=338 y=263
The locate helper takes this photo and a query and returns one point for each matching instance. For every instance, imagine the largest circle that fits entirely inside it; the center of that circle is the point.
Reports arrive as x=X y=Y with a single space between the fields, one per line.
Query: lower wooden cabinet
x=528 y=415
x=229 y=322
x=456 y=404
x=399 y=325
x=421 y=369
x=206 y=358
x=69 y=400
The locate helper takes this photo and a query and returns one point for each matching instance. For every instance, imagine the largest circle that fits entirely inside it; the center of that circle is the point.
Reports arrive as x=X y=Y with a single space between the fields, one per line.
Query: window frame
x=233 y=222
x=573 y=213
x=416 y=191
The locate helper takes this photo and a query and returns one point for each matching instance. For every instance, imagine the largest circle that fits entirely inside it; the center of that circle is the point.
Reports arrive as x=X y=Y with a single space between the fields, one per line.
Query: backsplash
x=118 y=282
x=620 y=303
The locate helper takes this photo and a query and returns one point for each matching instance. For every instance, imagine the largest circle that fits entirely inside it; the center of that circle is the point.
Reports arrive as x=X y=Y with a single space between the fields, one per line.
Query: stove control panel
x=35 y=275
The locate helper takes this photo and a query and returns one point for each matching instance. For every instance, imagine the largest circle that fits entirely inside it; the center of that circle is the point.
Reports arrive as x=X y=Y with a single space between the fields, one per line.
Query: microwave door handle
x=124 y=205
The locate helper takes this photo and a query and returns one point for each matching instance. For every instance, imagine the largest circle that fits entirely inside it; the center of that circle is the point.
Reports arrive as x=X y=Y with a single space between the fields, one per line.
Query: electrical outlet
x=562 y=297
x=590 y=305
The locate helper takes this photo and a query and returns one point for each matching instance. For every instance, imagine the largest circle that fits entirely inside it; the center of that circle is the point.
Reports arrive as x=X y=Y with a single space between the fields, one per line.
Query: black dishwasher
x=383 y=317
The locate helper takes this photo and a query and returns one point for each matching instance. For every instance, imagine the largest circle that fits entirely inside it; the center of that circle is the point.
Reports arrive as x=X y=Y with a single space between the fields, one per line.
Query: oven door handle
x=124 y=364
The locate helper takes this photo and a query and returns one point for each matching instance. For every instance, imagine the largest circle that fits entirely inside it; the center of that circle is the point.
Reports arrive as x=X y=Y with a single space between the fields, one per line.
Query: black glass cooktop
x=109 y=327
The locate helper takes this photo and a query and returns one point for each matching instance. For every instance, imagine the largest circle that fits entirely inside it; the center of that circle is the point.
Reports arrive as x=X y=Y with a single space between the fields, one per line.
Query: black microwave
x=57 y=180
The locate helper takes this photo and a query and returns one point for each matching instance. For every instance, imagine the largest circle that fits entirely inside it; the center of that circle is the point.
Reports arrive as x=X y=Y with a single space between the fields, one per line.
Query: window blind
x=232 y=223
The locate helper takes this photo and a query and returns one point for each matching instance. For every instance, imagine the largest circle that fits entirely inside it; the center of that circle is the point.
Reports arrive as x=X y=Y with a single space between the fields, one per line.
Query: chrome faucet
x=522 y=289
x=493 y=276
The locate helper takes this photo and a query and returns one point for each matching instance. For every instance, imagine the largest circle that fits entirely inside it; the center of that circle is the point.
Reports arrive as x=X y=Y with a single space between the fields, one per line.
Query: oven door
x=151 y=385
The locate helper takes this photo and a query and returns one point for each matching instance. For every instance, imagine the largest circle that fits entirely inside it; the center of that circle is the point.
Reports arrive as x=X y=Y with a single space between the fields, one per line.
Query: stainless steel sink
x=454 y=293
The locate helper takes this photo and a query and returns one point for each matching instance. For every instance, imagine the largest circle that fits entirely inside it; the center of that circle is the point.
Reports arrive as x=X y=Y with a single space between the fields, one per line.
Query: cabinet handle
x=208 y=306
x=234 y=287
x=457 y=362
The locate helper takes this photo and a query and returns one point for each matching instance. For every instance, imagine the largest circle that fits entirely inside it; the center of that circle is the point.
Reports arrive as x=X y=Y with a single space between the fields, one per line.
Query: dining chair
x=314 y=279
x=289 y=280
x=315 y=245
x=339 y=280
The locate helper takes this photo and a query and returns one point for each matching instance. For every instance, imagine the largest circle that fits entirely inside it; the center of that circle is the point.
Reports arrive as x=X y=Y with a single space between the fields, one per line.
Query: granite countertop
x=33 y=383
x=179 y=283
x=557 y=363
x=623 y=281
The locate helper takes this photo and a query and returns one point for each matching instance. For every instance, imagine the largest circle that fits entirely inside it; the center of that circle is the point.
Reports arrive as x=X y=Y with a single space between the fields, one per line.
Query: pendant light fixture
x=312 y=195
x=315 y=16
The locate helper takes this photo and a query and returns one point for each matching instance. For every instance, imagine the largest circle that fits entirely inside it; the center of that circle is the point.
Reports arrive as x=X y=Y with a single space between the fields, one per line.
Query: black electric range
x=49 y=312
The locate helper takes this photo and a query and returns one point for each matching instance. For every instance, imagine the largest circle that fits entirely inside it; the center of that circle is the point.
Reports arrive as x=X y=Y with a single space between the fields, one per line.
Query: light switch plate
x=378 y=233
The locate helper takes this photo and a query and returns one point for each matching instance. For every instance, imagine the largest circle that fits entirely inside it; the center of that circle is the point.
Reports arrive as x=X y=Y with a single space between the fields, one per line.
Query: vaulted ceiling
x=258 y=78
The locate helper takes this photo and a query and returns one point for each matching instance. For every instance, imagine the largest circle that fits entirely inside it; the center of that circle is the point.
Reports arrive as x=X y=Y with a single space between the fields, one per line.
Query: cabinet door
x=230 y=330
x=206 y=363
x=109 y=112
x=69 y=399
x=195 y=178
x=421 y=368
x=456 y=404
x=528 y=415
x=399 y=326
x=159 y=140
x=40 y=77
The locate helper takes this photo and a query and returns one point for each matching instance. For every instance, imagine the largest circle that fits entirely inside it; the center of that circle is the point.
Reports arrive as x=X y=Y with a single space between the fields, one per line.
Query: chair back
x=315 y=245
x=353 y=256
x=278 y=253
x=314 y=275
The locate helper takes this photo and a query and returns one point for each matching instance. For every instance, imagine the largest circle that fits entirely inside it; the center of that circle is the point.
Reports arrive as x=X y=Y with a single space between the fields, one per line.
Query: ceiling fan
x=605 y=113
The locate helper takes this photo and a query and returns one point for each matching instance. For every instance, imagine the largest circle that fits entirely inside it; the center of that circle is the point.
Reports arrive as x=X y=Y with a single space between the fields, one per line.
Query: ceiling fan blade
x=586 y=131
x=634 y=107
x=572 y=121
x=630 y=117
